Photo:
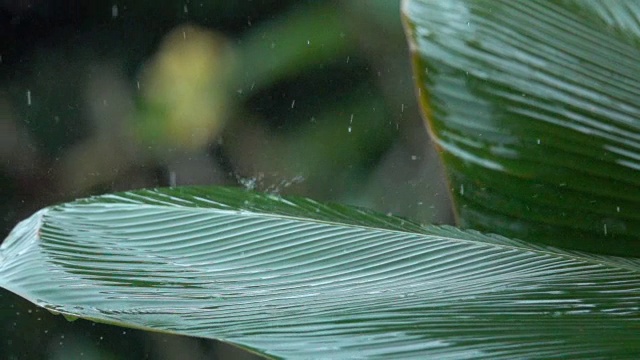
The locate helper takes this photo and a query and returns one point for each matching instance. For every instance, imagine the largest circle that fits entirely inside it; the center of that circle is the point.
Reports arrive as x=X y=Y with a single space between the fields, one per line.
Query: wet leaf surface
x=534 y=107
x=292 y=278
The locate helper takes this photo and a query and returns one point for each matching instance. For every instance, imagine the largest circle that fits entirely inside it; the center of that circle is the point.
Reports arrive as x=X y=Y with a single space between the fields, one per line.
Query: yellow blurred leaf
x=185 y=89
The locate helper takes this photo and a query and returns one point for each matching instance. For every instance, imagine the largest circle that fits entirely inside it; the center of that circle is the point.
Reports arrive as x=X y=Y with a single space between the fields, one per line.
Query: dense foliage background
x=312 y=98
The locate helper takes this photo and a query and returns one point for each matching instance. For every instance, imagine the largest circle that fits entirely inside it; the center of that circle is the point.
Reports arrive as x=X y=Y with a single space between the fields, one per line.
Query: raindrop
x=350 y=122
x=538 y=141
x=186 y=10
x=29 y=97
x=402 y=108
x=248 y=183
x=414 y=157
x=424 y=32
x=308 y=42
x=618 y=208
x=461 y=189
x=53 y=311
x=114 y=11
x=605 y=229
x=293 y=103
x=172 y=179
x=70 y=318
x=348 y=57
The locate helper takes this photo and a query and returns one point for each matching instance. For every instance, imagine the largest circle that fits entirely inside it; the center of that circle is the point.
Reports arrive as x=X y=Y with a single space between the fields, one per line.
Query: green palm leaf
x=293 y=278
x=535 y=106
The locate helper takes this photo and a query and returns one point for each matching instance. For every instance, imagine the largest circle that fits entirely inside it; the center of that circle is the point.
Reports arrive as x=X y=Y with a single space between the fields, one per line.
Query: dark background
x=313 y=98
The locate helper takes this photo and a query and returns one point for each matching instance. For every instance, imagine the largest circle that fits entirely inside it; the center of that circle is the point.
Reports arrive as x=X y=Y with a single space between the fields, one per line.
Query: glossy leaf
x=535 y=108
x=292 y=278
